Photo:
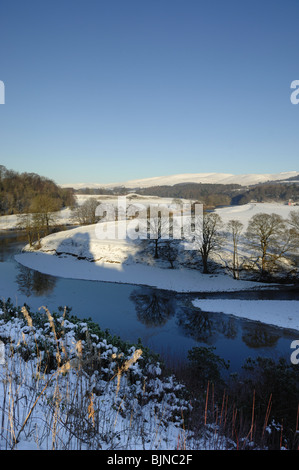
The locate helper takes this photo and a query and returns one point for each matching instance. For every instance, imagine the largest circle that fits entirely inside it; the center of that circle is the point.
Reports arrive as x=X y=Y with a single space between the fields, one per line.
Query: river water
x=165 y=322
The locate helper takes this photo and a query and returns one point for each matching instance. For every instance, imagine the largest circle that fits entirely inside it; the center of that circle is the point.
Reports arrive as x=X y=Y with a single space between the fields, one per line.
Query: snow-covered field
x=244 y=212
x=117 y=260
x=80 y=254
x=12 y=222
x=65 y=216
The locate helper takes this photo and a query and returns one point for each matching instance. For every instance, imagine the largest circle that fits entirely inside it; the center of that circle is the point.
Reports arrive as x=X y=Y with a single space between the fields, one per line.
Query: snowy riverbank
x=80 y=254
x=178 y=280
x=281 y=313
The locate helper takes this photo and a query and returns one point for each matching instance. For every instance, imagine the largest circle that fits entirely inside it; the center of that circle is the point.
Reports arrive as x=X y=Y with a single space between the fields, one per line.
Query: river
x=165 y=322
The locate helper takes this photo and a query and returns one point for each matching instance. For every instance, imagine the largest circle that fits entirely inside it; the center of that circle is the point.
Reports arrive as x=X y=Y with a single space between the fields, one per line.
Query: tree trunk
x=235 y=262
x=205 y=265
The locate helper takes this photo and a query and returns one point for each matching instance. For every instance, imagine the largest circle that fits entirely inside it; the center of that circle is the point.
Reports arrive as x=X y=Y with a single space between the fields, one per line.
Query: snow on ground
x=65 y=216
x=131 y=198
x=281 y=313
x=178 y=280
x=82 y=255
x=243 y=213
x=12 y=222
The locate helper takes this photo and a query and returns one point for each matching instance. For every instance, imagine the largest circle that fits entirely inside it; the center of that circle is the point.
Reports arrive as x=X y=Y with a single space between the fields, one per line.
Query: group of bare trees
x=270 y=242
x=85 y=213
x=272 y=239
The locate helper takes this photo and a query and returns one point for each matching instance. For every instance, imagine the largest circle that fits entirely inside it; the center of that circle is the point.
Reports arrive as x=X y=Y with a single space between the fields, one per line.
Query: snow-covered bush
x=66 y=384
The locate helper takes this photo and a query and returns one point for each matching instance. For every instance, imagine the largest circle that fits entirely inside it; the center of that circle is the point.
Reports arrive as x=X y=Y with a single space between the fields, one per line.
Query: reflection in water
x=229 y=328
x=206 y=328
x=33 y=282
x=197 y=324
x=4 y=247
x=153 y=307
x=10 y=243
x=259 y=336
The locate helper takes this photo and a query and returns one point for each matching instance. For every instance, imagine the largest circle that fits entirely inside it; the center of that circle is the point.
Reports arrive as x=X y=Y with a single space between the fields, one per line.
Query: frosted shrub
x=66 y=384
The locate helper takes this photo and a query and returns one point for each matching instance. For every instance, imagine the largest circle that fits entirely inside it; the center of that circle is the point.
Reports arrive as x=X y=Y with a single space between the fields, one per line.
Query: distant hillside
x=204 y=178
x=273 y=192
x=214 y=194
x=224 y=195
x=208 y=194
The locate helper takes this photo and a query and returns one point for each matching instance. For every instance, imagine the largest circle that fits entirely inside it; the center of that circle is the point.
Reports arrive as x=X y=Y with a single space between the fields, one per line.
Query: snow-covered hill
x=220 y=178
x=81 y=253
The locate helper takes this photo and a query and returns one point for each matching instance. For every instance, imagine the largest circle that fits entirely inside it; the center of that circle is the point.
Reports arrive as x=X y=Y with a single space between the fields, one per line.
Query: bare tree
x=160 y=224
x=207 y=236
x=270 y=240
x=25 y=223
x=169 y=252
x=34 y=225
x=235 y=227
x=85 y=214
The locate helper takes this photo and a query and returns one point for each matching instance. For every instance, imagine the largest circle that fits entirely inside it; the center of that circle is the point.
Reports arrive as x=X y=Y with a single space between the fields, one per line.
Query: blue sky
x=106 y=91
